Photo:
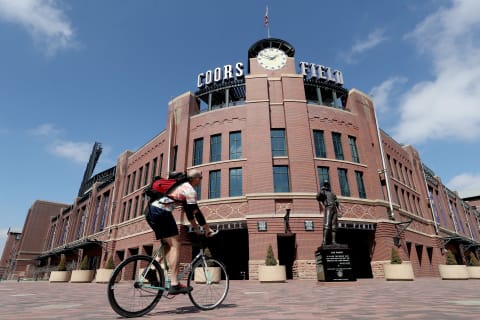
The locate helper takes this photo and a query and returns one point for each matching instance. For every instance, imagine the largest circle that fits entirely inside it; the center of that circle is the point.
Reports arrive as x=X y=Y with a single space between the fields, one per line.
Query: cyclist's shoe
x=151 y=276
x=212 y=233
x=179 y=288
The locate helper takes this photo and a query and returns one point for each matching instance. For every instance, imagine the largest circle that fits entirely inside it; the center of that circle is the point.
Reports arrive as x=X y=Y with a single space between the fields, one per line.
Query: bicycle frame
x=161 y=252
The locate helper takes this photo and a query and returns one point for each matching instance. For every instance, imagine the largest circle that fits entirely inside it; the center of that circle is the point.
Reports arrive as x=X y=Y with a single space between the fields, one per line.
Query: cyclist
x=161 y=220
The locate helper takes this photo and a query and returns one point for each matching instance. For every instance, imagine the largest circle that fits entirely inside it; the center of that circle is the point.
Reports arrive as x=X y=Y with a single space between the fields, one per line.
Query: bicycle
x=130 y=294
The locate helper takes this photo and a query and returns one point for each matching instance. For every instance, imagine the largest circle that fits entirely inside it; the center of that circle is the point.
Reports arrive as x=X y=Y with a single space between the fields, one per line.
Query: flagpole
x=267 y=23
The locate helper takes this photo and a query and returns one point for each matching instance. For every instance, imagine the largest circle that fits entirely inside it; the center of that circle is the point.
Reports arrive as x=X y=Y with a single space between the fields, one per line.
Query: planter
x=453 y=272
x=272 y=274
x=215 y=275
x=403 y=271
x=82 y=276
x=103 y=275
x=473 y=272
x=60 y=276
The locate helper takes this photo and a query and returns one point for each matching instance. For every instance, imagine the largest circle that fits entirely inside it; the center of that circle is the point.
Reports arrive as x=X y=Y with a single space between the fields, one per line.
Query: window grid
x=319 y=143
x=360 y=184
x=343 y=180
x=279 y=146
x=323 y=174
x=215 y=148
x=337 y=145
x=353 y=147
x=235 y=182
x=214 y=184
x=235 y=145
x=281 y=179
x=197 y=151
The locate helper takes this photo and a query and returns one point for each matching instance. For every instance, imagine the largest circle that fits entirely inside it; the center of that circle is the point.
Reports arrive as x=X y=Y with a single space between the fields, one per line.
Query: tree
x=270 y=260
x=84 y=263
x=395 y=259
x=450 y=258
x=110 y=264
x=61 y=266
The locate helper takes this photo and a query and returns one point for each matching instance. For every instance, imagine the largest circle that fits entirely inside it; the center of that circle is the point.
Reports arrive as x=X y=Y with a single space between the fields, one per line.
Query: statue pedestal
x=334 y=263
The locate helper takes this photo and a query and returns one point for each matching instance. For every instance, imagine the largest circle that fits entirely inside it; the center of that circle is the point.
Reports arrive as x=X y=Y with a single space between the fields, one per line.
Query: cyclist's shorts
x=162 y=223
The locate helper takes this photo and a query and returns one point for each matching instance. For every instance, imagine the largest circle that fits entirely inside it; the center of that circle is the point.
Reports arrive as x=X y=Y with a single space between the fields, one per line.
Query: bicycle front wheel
x=210 y=284
x=133 y=293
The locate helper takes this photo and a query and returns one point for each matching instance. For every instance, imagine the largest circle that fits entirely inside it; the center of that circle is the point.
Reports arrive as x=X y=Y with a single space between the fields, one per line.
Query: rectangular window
x=337 y=145
x=214 y=184
x=95 y=215
x=147 y=169
x=281 y=179
x=215 y=147
x=323 y=175
x=134 y=178
x=129 y=209
x=197 y=151
x=175 y=155
x=81 y=222
x=135 y=207
x=235 y=145
x=353 y=147
x=343 y=180
x=279 y=145
x=154 y=167
x=106 y=198
x=160 y=167
x=140 y=176
x=198 y=189
x=127 y=186
x=360 y=184
x=319 y=142
x=235 y=182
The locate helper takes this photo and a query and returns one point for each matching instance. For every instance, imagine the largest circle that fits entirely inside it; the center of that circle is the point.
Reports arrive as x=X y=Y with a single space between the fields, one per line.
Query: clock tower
x=271 y=56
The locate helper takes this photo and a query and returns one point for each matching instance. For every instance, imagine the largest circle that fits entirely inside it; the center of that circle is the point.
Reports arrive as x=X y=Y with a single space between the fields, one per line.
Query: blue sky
x=72 y=71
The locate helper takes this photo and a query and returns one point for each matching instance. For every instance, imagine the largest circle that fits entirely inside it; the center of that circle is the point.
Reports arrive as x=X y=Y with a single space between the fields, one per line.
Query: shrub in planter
x=395 y=259
x=450 y=258
x=61 y=274
x=84 y=263
x=103 y=275
x=270 y=259
x=62 y=265
x=83 y=274
x=451 y=270
x=396 y=270
x=473 y=267
x=110 y=264
x=271 y=272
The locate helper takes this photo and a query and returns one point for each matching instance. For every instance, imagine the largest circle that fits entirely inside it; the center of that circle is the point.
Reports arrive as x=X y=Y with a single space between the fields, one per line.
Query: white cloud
x=373 y=39
x=78 y=152
x=466 y=184
x=382 y=93
x=46 y=129
x=43 y=19
x=447 y=106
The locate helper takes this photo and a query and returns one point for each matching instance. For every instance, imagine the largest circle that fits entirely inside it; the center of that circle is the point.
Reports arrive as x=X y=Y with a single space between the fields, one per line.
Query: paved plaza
x=424 y=298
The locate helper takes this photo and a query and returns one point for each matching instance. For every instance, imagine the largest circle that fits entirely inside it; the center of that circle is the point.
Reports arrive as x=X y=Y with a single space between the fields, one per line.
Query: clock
x=272 y=58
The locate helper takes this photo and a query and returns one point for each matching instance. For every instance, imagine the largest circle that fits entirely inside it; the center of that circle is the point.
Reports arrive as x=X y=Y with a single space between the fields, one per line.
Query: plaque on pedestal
x=334 y=263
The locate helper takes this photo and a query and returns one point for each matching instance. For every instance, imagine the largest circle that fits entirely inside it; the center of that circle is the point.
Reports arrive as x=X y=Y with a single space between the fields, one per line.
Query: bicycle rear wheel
x=129 y=293
x=210 y=284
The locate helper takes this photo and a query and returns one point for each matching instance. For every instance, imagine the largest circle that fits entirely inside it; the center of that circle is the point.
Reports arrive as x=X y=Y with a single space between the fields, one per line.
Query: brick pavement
x=424 y=298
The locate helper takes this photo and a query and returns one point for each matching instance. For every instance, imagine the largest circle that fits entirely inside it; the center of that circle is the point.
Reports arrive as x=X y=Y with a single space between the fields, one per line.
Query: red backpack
x=161 y=187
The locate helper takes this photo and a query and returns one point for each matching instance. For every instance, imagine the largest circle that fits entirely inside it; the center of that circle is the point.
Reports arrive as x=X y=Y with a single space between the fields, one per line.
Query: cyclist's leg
x=173 y=257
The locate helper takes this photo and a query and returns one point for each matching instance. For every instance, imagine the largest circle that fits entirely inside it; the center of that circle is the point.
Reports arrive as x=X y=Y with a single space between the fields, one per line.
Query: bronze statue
x=330 y=205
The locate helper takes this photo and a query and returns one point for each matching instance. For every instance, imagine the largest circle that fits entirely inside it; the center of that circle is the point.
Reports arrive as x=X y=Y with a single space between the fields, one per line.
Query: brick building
x=8 y=259
x=265 y=135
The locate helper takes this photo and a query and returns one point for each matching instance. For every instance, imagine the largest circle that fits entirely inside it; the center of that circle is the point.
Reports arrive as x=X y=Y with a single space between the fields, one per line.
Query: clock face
x=272 y=58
